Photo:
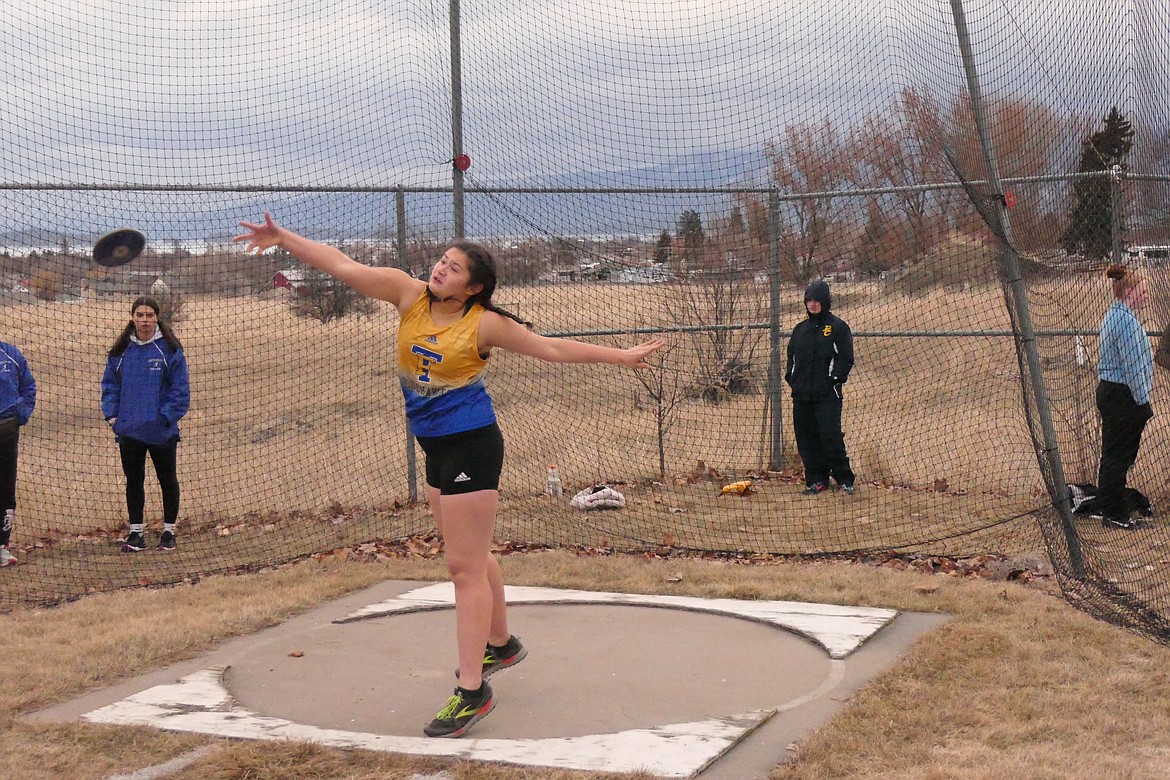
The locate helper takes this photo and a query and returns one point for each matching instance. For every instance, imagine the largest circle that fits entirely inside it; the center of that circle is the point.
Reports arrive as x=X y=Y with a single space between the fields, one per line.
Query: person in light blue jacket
x=1125 y=369
x=145 y=392
x=18 y=396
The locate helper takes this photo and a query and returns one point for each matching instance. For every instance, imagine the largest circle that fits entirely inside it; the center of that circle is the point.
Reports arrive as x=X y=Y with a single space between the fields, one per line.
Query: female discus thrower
x=447 y=330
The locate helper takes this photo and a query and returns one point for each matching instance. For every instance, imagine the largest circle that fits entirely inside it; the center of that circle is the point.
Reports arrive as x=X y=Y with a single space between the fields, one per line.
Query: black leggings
x=134 y=467
x=1122 y=423
x=9 y=438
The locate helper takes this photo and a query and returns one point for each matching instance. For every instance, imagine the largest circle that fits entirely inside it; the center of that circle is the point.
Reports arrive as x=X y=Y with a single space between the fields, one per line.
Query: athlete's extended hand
x=261 y=237
x=635 y=357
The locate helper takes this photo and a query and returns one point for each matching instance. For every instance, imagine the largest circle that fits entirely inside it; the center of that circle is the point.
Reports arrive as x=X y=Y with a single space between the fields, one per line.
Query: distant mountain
x=168 y=217
x=43 y=236
x=723 y=168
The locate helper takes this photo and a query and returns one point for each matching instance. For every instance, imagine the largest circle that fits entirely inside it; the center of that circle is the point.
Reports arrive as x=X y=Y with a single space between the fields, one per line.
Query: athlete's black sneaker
x=814 y=489
x=497 y=658
x=461 y=713
x=166 y=542
x=134 y=543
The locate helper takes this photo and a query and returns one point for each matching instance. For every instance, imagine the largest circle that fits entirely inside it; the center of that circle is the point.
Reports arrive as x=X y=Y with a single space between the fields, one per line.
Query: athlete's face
x=813 y=306
x=145 y=321
x=451 y=276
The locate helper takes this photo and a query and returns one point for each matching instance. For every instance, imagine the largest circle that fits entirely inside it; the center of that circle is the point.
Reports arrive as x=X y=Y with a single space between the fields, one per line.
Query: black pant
x=1122 y=423
x=134 y=467
x=820 y=441
x=9 y=438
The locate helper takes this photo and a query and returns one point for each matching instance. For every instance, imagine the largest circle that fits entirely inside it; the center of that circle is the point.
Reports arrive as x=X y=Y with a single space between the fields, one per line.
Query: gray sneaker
x=849 y=489
x=497 y=658
x=461 y=713
x=7 y=558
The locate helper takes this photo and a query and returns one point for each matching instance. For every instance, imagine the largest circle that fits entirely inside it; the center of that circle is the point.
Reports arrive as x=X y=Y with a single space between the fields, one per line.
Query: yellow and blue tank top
x=441 y=372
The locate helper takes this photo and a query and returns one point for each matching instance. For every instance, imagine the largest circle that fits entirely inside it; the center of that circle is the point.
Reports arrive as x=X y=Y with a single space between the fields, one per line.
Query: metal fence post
x=775 y=375
x=456 y=122
x=411 y=465
x=1051 y=447
x=1116 y=227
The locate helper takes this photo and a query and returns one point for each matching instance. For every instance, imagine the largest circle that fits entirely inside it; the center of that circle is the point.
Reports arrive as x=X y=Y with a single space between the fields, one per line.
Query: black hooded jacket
x=820 y=352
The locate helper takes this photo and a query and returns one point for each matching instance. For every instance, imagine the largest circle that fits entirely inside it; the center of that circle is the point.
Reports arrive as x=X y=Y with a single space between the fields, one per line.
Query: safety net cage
x=960 y=174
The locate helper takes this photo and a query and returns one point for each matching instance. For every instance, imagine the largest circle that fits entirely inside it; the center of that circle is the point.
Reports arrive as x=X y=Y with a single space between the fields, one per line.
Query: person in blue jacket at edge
x=145 y=392
x=1125 y=370
x=18 y=396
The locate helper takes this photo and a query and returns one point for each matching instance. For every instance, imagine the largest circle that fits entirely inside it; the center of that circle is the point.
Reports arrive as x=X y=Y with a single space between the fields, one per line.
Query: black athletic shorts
x=465 y=462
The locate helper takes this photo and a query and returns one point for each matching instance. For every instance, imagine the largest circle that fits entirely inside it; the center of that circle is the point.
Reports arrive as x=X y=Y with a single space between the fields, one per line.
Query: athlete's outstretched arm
x=496 y=330
x=387 y=284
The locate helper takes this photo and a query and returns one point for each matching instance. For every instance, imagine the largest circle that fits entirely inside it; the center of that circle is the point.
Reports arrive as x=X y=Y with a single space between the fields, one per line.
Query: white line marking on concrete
x=200 y=703
x=838 y=629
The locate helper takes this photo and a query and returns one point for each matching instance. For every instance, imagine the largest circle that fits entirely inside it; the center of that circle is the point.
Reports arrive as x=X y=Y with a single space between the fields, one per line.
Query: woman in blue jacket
x=1126 y=371
x=18 y=396
x=145 y=392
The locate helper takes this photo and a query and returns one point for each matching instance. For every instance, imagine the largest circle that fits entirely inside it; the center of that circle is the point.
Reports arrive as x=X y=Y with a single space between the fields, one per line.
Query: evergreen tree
x=1090 y=225
x=690 y=238
x=662 y=248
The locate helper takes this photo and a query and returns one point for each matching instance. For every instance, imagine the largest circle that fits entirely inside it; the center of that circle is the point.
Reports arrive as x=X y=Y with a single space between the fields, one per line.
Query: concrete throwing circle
x=613 y=668
x=616 y=682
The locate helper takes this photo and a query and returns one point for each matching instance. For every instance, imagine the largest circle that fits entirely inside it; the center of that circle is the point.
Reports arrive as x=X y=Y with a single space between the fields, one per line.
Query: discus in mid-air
x=118 y=247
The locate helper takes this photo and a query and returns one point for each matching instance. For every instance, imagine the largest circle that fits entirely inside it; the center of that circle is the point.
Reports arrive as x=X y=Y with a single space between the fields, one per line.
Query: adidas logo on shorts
x=462 y=477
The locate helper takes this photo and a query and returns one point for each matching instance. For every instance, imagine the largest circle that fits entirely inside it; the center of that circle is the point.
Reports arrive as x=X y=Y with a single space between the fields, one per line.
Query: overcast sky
x=599 y=93
x=299 y=91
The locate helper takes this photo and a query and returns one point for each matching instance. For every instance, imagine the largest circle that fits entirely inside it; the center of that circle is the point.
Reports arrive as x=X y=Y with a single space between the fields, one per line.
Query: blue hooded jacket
x=18 y=390
x=1124 y=356
x=146 y=388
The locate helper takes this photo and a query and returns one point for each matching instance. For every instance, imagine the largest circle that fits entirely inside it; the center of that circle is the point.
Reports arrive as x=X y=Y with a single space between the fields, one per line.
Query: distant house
x=644 y=275
x=291 y=279
x=301 y=281
x=1149 y=255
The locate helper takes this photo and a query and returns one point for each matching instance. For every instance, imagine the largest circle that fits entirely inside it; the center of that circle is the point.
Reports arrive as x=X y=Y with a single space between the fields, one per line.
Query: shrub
x=45 y=284
x=322 y=298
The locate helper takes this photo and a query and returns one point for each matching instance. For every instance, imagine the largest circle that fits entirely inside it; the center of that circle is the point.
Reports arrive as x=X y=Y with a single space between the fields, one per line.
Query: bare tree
x=899 y=226
x=662 y=385
x=725 y=352
x=813 y=159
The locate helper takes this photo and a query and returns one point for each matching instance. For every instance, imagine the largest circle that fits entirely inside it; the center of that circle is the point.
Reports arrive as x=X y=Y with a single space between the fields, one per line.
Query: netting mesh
x=664 y=166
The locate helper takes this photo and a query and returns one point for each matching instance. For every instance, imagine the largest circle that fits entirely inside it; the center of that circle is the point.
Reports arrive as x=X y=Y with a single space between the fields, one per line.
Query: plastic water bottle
x=552 y=483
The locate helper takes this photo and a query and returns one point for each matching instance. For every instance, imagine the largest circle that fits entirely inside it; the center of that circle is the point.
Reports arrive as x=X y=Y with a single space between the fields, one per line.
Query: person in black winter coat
x=820 y=357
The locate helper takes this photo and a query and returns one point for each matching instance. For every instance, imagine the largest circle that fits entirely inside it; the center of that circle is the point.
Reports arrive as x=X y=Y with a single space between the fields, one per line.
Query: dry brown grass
x=1018 y=683
x=288 y=413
